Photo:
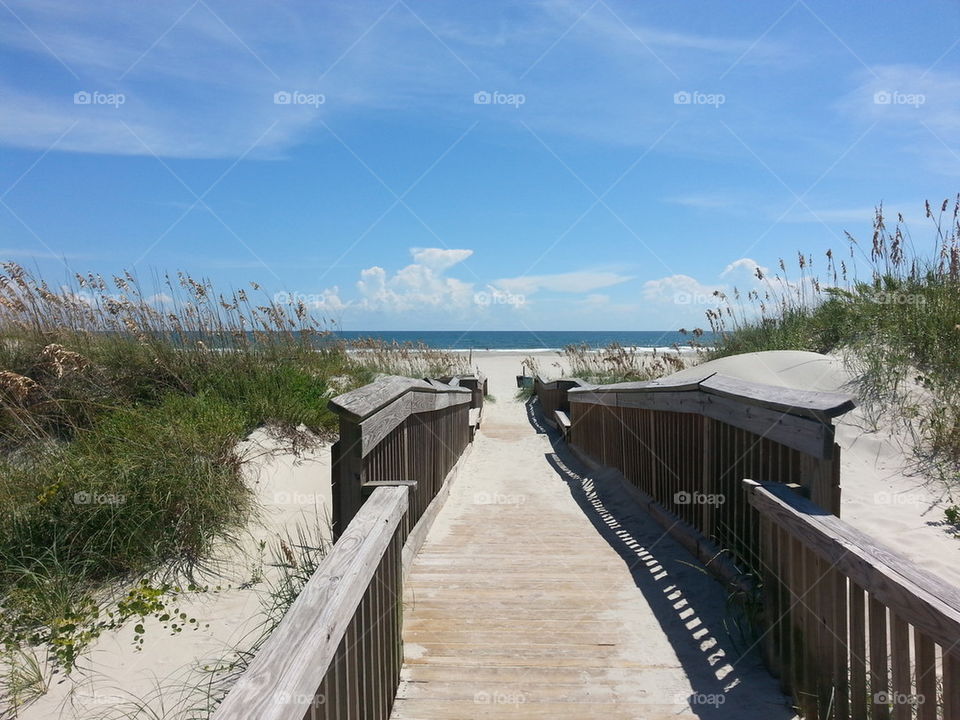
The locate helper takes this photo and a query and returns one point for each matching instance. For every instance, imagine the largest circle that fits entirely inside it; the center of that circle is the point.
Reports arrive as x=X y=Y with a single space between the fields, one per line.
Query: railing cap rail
x=660 y=384
x=366 y=400
x=286 y=672
x=916 y=595
x=573 y=381
x=809 y=403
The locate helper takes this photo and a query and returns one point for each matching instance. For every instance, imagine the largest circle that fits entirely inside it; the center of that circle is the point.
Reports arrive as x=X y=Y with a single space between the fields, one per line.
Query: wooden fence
x=476 y=384
x=337 y=652
x=687 y=444
x=553 y=396
x=397 y=430
x=853 y=629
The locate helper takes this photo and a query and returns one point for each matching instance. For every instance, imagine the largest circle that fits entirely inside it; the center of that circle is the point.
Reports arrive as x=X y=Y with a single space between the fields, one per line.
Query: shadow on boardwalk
x=724 y=669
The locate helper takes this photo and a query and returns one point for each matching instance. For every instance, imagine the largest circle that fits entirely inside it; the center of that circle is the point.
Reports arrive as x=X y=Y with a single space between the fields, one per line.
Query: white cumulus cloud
x=421 y=284
x=748 y=264
x=680 y=290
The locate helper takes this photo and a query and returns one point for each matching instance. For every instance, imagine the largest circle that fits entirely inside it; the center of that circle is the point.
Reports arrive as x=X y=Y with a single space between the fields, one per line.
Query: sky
x=552 y=164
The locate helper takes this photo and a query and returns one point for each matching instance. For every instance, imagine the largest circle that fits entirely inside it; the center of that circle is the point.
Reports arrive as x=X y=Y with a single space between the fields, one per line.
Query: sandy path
x=541 y=593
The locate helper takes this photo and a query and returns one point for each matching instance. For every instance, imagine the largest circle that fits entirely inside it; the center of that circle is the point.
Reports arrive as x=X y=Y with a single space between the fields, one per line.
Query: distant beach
x=518 y=341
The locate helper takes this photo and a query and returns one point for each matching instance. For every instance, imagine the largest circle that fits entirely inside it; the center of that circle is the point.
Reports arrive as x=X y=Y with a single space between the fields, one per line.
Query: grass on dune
x=119 y=417
x=898 y=327
x=613 y=363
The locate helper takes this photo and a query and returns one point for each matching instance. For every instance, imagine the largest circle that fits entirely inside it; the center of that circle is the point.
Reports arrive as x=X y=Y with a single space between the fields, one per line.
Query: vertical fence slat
x=900 y=690
x=839 y=640
x=878 y=658
x=951 y=683
x=858 y=652
x=925 y=673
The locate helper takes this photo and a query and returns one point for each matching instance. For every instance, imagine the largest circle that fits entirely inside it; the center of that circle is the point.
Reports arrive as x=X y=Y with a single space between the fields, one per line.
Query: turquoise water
x=512 y=340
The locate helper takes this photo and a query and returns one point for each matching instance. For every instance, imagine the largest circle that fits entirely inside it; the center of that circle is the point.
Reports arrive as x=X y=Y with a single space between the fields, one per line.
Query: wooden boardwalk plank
x=518 y=607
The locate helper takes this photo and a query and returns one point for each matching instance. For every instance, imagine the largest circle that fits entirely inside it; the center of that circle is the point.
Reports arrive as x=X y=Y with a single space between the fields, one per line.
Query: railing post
x=708 y=471
x=346 y=474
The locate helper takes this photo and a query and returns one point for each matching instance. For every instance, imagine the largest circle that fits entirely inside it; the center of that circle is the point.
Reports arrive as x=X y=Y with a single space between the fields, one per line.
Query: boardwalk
x=519 y=584
x=539 y=594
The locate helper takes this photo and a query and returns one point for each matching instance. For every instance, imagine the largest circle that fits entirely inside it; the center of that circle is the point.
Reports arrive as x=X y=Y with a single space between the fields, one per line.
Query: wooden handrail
x=775 y=397
x=835 y=598
x=919 y=597
x=685 y=443
x=293 y=673
x=398 y=429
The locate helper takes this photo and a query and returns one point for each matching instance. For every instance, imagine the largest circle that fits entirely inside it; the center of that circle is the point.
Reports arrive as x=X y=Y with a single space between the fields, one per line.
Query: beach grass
x=897 y=324
x=120 y=415
x=616 y=363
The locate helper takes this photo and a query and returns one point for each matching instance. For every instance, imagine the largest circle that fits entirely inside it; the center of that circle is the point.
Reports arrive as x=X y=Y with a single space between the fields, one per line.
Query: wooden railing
x=397 y=430
x=476 y=384
x=553 y=395
x=853 y=629
x=685 y=445
x=337 y=652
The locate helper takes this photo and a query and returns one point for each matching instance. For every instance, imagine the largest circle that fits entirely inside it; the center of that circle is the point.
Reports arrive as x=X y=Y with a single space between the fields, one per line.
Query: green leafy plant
x=897 y=326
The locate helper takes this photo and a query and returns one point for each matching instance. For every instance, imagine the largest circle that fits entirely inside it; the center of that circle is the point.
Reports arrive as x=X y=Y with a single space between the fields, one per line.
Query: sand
x=880 y=497
x=292 y=489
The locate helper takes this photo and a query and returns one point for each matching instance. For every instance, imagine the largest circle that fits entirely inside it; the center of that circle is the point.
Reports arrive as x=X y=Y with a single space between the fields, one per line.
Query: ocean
x=524 y=340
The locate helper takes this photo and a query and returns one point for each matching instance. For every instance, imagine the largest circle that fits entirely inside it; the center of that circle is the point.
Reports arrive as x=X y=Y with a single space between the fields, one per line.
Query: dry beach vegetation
x=120 y=417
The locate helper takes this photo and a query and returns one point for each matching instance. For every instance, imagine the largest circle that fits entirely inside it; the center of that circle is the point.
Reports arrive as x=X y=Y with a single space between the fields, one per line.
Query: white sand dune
x=291 y=489
x=879 y=494
x=880 y=497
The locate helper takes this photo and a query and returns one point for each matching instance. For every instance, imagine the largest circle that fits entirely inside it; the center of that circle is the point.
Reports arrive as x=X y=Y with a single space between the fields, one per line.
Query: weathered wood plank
x=858 y=652
x=808 y=435
x=363 y=402
x=900 y=693
x=951 y=682
x=378 y=425
x=283 y=678
x=925 y=674
x=820 y=405
x=918 y=597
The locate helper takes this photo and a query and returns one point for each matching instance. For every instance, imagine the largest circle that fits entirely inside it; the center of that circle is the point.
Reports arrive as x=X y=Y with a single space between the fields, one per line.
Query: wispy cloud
x=198 y=77
x=581 y=281
x=702 y=202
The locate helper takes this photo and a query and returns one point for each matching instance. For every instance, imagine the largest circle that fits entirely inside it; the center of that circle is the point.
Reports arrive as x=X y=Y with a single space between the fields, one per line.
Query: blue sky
x=557 y=164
